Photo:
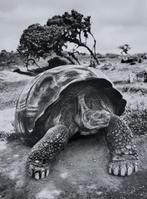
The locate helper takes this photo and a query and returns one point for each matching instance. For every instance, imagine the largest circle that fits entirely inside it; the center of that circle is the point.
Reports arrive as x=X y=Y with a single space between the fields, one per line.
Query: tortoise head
x=92 y=119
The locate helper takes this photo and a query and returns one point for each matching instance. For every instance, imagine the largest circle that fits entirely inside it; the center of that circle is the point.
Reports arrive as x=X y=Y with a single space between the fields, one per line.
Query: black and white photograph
x=73 y=99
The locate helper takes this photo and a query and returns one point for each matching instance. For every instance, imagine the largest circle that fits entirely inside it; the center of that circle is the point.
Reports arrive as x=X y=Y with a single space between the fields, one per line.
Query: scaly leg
x=38 y=162
x=122 y=148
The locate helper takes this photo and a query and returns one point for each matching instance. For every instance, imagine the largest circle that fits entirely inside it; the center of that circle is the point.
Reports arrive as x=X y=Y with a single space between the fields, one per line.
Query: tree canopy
x=124 y=49
x=38 y=40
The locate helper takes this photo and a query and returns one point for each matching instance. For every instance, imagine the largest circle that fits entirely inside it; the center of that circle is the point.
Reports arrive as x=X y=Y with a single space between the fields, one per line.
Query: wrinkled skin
x=83 y=110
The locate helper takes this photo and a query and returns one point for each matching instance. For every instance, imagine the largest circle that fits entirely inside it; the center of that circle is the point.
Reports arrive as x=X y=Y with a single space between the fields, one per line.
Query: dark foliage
x=124 y=48
x=37 y=40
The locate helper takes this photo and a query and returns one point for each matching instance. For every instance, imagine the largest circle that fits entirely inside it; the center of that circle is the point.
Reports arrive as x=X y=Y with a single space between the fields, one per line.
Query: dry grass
x=135 y=93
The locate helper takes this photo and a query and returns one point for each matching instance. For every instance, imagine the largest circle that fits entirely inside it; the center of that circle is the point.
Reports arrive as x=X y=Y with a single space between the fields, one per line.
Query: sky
x=114 y=22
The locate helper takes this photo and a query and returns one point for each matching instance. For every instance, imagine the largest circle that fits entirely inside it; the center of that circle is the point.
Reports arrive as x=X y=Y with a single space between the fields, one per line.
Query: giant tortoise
x=67 y=100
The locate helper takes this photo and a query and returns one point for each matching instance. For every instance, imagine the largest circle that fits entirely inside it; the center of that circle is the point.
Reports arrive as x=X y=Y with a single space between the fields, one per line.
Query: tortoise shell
x=46 y=88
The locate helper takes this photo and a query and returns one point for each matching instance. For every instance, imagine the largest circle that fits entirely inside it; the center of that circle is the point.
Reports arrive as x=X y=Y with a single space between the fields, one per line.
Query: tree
x=38 y=40
x=124 y=49
x=55 y=36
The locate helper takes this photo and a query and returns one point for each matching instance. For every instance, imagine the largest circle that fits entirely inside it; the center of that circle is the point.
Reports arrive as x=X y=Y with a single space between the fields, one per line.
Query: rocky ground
x=80 y=171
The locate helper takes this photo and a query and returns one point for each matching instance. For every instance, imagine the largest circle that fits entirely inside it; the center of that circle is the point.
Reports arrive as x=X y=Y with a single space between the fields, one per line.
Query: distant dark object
x=142 y=55
x=29 y=73
x=122 y=61
x=33 y=72
x=57 y=61
x=132 y=63
x=112 y=55
x=145 y=77
x=131 y=60
x=139 y=60
x=142 y=76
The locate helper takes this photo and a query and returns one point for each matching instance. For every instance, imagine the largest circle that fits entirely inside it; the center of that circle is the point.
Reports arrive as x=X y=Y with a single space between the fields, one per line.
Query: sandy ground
x=80 y=171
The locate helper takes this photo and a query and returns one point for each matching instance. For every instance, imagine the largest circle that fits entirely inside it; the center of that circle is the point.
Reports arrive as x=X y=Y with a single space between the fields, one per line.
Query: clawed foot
x=38 y=170
x=123 y=167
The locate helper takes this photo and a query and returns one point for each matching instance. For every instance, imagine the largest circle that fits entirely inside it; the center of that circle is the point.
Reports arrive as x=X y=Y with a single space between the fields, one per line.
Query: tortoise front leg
x=124 y=157
x=41 y=155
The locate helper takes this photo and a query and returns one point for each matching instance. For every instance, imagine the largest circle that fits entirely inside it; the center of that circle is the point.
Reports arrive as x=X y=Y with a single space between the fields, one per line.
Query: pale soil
x=80 y=171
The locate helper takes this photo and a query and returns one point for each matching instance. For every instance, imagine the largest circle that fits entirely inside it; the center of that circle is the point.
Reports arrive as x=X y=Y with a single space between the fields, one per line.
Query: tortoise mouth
x=95 y=119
